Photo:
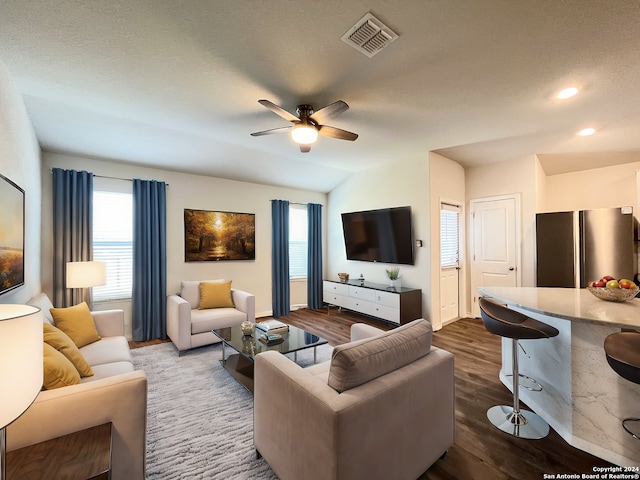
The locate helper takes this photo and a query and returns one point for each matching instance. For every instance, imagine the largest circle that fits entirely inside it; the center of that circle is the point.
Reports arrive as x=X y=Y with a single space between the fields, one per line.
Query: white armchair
x=188 y=326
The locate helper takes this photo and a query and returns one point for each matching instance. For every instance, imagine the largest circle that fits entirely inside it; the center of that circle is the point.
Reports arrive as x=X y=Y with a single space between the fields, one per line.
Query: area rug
x=199 y=418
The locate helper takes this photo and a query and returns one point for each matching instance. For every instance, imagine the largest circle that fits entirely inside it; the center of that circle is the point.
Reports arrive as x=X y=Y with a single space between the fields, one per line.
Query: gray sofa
x=383 y=407
x=116 y=393
x=189 y=327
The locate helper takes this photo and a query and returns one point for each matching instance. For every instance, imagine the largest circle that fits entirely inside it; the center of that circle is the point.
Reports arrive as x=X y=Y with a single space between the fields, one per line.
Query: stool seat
x=504 y=322
x=622 y=350
x=623 y=354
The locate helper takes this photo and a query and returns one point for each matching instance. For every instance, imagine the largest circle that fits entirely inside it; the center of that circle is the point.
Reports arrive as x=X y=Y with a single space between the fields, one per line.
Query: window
x=298 y=232
x=113 y=243
x=449 y=251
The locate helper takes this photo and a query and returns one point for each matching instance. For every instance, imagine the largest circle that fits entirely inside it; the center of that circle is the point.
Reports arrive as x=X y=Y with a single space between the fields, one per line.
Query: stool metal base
x=632 y=427
x=524 y=424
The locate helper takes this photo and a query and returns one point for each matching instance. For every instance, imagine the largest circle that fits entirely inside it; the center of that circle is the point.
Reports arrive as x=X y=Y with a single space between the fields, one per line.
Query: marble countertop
x=574 y=304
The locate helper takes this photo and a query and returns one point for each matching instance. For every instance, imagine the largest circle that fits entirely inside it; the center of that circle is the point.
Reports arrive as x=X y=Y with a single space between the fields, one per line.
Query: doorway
x=495 y=237
x=449 y=262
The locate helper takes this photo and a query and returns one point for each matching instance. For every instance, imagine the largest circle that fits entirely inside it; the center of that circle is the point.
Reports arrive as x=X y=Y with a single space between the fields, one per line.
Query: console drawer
x=362 y=293
x=387 y=298
x=336 y=288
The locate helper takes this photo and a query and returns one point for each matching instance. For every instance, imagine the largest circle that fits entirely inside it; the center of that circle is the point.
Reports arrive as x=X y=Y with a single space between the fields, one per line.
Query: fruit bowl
x=614 y=294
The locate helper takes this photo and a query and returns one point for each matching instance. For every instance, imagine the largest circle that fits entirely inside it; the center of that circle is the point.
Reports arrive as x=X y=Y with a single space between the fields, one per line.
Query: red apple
x=598 y=284
x=607 y=278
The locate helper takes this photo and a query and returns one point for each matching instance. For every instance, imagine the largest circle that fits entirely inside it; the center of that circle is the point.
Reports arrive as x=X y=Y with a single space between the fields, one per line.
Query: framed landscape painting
x=215 y=236
x=11 y=235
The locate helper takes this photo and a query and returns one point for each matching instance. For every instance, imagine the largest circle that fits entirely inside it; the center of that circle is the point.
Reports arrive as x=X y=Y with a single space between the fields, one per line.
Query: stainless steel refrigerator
x=574 y=248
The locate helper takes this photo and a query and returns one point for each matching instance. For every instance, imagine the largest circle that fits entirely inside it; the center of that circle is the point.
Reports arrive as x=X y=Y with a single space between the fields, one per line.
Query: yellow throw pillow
x=215 y=295
x=62 y=343
x=77 y=323
x=58 y=371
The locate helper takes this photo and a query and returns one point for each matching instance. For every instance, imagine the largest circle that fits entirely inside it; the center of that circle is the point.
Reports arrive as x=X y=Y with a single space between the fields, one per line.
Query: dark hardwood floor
x=480 y=451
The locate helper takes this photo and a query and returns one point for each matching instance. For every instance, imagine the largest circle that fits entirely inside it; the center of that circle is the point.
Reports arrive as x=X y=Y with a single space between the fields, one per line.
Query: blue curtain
x=280 y=294
x=72 y=230
x=149 y=260
x=314 y=256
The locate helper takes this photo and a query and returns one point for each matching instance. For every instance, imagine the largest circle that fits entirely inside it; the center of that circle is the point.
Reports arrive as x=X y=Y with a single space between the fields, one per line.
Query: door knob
x=511 y=269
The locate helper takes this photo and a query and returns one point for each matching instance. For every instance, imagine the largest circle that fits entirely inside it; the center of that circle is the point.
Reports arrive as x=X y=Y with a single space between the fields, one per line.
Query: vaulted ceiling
x=175 y=84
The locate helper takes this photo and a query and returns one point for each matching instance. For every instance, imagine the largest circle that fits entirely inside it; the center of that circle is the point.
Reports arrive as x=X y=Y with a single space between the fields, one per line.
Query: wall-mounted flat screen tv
x=383 y=235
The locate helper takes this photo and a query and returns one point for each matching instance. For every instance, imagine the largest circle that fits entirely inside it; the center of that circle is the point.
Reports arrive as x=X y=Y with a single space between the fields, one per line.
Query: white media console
x=399 y=306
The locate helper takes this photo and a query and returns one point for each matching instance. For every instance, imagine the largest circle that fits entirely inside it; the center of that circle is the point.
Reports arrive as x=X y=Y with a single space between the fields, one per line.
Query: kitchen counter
x=582 y=399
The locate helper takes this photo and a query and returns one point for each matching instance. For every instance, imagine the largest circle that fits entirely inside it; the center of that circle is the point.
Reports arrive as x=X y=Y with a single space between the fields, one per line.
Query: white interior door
x=495 y=256
x=449 y=262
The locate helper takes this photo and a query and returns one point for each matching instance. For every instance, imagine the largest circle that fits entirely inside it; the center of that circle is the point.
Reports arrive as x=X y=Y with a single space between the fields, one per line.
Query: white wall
x=202 y=193
x=605 y=187
x=395 y=185
x=20 y=162
x=446 y=184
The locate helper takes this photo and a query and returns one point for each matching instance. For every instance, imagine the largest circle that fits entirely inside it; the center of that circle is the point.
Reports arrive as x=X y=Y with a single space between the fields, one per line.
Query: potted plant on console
x=394 y=277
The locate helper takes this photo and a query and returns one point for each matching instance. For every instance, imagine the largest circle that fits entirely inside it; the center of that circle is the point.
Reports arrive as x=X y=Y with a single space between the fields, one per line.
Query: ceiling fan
x=308 y=124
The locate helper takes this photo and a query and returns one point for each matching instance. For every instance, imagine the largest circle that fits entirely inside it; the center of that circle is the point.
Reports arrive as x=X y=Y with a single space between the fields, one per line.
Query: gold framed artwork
x=11 y=235
x=211 y=236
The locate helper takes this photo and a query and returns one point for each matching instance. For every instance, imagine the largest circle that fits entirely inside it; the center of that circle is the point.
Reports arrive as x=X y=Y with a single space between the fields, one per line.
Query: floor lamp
x=20 y=365
x=85 y=275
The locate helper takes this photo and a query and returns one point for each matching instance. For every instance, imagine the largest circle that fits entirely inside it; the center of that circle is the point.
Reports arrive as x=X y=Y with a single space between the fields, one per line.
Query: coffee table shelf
x=240 y=364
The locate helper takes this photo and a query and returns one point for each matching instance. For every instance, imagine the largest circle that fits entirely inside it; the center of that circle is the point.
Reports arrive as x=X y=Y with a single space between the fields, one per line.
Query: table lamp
x=20 y=365
x=85 y=275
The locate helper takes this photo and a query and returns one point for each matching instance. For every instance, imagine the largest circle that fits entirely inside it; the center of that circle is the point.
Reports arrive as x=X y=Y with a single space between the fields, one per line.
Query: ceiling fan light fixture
x=304 y=134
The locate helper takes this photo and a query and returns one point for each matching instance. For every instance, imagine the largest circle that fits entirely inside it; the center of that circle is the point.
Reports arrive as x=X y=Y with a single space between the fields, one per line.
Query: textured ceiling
x=176 y=85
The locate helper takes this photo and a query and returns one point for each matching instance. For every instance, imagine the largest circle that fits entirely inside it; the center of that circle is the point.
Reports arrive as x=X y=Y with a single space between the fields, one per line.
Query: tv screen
x=379 y=235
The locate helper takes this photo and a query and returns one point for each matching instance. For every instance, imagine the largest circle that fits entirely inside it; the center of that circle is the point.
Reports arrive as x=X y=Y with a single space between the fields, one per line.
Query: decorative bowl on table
x=343 y=277
x=614 y=294
x=246 y=327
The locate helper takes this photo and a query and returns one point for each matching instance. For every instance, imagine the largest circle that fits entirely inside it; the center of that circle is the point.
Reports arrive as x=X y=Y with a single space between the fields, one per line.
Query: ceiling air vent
x=369 y=35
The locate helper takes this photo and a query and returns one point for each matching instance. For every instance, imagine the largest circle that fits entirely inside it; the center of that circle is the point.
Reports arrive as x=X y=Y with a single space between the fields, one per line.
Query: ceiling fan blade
x=305 y=148
x=279 y=111
x=273 y=130
x=330 y=111
x=333 y=132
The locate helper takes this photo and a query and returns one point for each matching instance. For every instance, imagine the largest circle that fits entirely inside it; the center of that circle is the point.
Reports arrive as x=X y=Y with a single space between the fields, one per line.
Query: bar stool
x=623 y=355
x=504 y=322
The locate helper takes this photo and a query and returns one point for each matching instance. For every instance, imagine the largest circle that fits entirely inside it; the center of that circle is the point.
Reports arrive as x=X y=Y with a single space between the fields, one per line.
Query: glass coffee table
x=240 y=365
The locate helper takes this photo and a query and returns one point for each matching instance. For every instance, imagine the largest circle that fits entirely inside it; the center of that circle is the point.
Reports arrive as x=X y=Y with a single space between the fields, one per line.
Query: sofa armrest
x=121 y=400
x=179 y=322
x=109 y=323
x=360 y=331
x=245 y=302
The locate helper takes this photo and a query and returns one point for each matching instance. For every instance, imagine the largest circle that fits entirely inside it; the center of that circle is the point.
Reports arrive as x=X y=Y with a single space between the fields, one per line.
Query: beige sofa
x=116 y=393
x=383 y=407
x=189 y=327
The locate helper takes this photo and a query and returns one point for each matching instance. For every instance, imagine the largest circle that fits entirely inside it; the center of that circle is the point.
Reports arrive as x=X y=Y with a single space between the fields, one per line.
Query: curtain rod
x=115 y=178
x=297 y=203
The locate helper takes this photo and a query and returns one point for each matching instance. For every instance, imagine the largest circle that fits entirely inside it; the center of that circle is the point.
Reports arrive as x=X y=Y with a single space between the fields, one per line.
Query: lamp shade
x=20 y=359
x=86 y=274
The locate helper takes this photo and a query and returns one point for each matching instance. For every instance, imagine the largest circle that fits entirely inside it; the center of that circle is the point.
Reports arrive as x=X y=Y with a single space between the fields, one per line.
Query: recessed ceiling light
x=567 y=93
x=586 y=132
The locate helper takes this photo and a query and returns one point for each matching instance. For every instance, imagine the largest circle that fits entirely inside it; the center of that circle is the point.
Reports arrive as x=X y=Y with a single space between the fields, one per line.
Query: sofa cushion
x=107 y=350
x=62 y=343
x=190 y=291
x=76 y=322
x=58 y=371
x=109 y=370
x=355 y=363
x=215 y=295
x=214 y=318
x=44 y=304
